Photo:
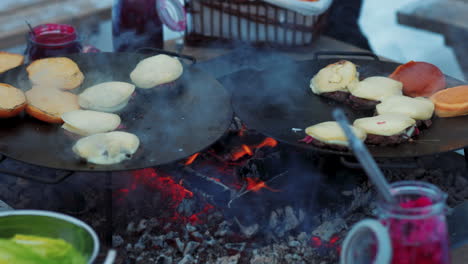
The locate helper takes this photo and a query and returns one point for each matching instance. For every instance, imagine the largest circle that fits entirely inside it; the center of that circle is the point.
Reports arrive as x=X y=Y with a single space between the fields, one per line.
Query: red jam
x=52 y=40
x=418 y=240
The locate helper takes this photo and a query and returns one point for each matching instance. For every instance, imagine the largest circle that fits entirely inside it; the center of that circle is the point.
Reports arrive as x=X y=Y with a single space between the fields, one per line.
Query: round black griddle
x=279 y=99
x=172 y=122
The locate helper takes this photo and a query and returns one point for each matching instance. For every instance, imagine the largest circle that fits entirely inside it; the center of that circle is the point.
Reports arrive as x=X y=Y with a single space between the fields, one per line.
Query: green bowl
x=53 y=225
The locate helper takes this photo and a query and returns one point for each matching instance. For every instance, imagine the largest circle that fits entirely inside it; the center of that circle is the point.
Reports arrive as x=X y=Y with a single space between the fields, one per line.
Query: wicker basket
x=249 y=21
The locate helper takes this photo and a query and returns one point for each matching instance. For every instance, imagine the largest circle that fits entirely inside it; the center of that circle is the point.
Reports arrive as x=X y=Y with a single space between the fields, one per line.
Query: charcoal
x=131 y=227
x=235 y=246
x=164 y=260
x=158 y=241
x=180 y=245
x=186 y=260
x=142 y=225
x=117 y=241
x=248 y=231
x=294 y=244
x=190 y=228
x=223 y=229
x=228 y=259
x=191 y=247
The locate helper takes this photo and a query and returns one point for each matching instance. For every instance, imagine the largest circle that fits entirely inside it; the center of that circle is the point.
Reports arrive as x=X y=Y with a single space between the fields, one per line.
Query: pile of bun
x=403 y=103
x=91 y=114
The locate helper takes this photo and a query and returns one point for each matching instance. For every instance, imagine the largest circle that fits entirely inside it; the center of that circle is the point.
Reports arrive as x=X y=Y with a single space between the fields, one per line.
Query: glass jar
x=52 y=40
x=139 y=24
x=417 y=224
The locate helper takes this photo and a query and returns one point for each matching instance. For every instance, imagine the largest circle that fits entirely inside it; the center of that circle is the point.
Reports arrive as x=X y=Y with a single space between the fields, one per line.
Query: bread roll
x=331 y=133
x=49 y=105
x=12 y=101
x=156 y=70
x=418 y=108
x=86 y=122
x=376 y=88
x=107 y=148
x=9 y=61
x=106 y=97
x=58 y=73
x=334 y=77
x=451 y=102
x=385 y=125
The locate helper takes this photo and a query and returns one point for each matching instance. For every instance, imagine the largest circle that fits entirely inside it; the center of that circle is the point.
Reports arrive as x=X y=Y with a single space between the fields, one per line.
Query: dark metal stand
x=109 y=214
x=465 y=152
x=56 y=180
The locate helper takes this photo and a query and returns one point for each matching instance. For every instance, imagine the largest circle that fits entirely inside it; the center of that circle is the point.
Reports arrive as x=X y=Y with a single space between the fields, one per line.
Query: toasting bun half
x=106 y=97
x=86 y=122
x=58 y=73
x=335 y=77
x=12 y=101
x=49 y=105
x=156 y=70
x=9 y=61
x=451 y=102
x=107 y=148
x=329 y=134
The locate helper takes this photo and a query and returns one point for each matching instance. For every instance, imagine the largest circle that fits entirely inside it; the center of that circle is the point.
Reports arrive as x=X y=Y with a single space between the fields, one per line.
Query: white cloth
x=303 y=7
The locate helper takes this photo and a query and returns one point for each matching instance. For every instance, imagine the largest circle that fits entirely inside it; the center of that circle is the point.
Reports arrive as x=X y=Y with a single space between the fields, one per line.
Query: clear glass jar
x=417 y=225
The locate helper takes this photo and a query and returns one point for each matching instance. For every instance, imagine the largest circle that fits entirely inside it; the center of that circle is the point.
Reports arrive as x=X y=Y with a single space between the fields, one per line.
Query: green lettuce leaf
x=11 y=252
x=54 y=250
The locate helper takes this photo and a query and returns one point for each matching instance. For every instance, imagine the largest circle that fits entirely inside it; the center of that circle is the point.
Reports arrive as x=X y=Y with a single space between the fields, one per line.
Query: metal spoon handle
x=364 y=157
x=111 y=255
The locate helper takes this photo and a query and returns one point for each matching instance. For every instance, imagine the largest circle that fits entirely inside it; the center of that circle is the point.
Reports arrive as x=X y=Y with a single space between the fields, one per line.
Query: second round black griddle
x=277 y=101
x=172 y=122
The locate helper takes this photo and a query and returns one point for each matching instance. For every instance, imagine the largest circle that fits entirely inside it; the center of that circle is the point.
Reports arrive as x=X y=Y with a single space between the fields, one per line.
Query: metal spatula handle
x=364 y=157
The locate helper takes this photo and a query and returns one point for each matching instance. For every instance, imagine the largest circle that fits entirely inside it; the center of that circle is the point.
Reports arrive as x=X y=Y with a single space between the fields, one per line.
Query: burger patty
x=339 y=96
x=320 y=144
x=361 y=103
x=379 y=140
x=424 y=123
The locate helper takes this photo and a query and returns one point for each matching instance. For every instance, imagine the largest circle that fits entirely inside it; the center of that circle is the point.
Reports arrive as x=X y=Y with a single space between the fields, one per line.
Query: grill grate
x=249 y=21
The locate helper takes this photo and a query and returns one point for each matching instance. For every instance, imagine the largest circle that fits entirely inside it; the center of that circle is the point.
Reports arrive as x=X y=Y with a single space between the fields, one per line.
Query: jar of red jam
x=417 y=225
x=52 y=40
x=412 y=231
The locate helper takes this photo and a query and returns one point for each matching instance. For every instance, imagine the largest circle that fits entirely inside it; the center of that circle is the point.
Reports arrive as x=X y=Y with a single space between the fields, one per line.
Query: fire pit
x=245 y=199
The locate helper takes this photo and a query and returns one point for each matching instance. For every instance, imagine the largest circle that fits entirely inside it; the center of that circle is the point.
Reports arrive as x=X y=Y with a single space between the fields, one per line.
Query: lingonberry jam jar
x=52 y=40
x=417 y=224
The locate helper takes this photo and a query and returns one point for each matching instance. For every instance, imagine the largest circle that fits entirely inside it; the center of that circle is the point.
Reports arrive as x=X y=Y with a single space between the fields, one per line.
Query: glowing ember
x=334 y=239
x=256 y=185
x=242 y=131
x=191 y=159
x=247 y=150
x=316 y=241
x=268 y=142
x=164 y=184
x=195 y=218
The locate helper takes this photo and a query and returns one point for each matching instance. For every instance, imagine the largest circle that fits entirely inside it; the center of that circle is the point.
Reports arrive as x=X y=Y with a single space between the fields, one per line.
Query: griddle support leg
x=465 y=152
x=109 y=204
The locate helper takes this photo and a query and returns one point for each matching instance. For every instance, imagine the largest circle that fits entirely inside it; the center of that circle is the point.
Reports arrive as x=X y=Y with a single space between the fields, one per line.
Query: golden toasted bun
x=87 y=122
x=385 y=125
x=331 y=133
x=107 y=96
x=376 y=88
x=156 y=70
x=418 y=108
x=451 y=102
x=12 y=101
x=107 y=148
x=335 y=77
x=49 y=105
x=9 y=61
x=60 y=73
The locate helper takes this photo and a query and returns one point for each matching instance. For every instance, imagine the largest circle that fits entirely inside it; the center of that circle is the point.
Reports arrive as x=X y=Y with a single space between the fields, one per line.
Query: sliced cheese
x=86 y=122
x=418 y=108
x=331 y=133
x=376 y=88
x=335 y=77
x=107 y=96
x=107 y=148
x=386 y=124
